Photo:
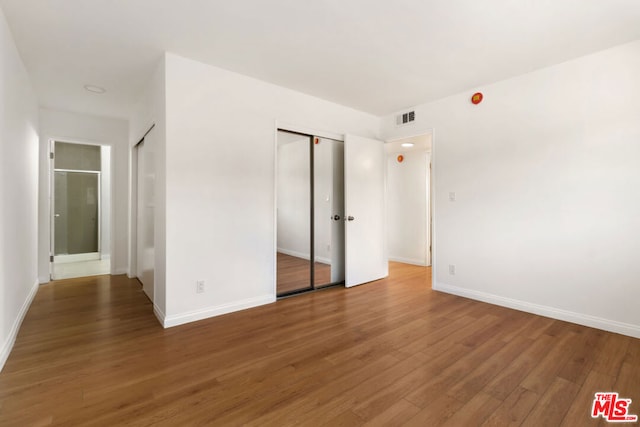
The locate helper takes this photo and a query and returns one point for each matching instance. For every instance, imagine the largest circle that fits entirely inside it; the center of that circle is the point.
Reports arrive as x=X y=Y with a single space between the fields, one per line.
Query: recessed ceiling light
x=407 y=144
x=95 y=89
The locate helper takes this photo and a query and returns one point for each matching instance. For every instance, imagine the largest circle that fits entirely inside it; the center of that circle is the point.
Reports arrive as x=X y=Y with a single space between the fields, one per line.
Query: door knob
x=57 y=215
x=350 y=218
x=336 y=217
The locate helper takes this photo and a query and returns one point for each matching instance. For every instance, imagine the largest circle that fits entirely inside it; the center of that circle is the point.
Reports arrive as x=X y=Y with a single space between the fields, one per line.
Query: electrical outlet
x=200 y=286
x=452 y=269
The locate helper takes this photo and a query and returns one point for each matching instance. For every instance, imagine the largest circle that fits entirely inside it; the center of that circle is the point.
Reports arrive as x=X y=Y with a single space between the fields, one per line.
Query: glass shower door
x=76 y=203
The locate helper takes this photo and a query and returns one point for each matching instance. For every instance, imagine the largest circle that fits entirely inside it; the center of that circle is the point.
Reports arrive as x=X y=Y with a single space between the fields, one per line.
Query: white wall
x=18 y=191
x=73 y=127
x=220 y=181
x=545 y=171
x=407 y=207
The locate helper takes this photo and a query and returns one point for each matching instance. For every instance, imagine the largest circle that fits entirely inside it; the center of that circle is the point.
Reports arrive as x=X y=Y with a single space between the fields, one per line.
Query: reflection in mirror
x=293 y=177
x=328 y=170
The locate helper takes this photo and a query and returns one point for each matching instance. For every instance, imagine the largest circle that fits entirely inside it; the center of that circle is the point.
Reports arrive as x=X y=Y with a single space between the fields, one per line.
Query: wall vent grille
x=405 y=118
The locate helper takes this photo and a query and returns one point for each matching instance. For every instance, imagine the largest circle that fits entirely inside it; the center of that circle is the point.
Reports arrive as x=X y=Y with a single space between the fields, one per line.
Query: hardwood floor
x=293 y=273
x=392 y=352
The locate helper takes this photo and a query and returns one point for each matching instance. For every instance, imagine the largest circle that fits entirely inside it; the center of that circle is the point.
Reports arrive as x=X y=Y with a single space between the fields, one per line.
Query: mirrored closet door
x=310 y=213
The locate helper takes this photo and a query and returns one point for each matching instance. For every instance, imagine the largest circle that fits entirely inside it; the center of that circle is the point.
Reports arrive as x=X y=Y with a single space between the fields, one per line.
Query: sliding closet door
x=146 y=215
x=365 y=242
x=294 y=193
x=328 y=170
x=330 y=212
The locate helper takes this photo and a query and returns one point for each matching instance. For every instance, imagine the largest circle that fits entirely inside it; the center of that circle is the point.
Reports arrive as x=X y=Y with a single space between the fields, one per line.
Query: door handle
x=57 y=215
x=336 y=217
x=349 y=218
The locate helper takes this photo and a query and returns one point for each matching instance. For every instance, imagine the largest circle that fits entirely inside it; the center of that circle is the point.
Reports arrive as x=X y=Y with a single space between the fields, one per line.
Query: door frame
x=431 y=201
x=85 y=256
x=51 y=196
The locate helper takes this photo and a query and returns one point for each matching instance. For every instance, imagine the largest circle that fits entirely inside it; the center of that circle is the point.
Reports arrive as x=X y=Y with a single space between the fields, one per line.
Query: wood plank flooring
x=392 y=352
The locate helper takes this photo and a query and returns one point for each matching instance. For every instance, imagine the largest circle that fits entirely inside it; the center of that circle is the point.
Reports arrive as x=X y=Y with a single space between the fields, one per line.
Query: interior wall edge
x=157 y=311
x=542 y=310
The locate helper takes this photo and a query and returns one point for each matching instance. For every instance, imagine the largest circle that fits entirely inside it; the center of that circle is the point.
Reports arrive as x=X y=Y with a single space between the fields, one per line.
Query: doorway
x=409 y=199
x=310 y=213
x=81 y=210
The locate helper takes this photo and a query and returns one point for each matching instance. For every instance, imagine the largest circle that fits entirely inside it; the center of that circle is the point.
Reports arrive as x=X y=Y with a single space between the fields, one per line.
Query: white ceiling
x=378 y=56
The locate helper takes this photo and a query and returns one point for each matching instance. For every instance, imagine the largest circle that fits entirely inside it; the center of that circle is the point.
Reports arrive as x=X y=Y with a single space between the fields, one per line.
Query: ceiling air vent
x=405 y=118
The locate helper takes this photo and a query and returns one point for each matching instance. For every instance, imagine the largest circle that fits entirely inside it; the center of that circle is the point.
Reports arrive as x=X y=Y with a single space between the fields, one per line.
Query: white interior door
x=365 y=239
x=145 y=217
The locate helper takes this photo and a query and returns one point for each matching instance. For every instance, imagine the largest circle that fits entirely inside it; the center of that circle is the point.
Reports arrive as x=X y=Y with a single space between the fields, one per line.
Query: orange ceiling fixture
x=476 y=98
x=400 y=158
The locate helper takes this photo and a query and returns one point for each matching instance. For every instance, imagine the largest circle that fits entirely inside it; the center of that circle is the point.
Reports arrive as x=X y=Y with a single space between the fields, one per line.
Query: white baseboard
x=323 y=260
x=192 y=316
x=294 y=253
x=91 y=256
x=118 y=271
x=319 y=259
x=7 y=345
x=411 y=261
x=543 y=310
x=44 y=279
